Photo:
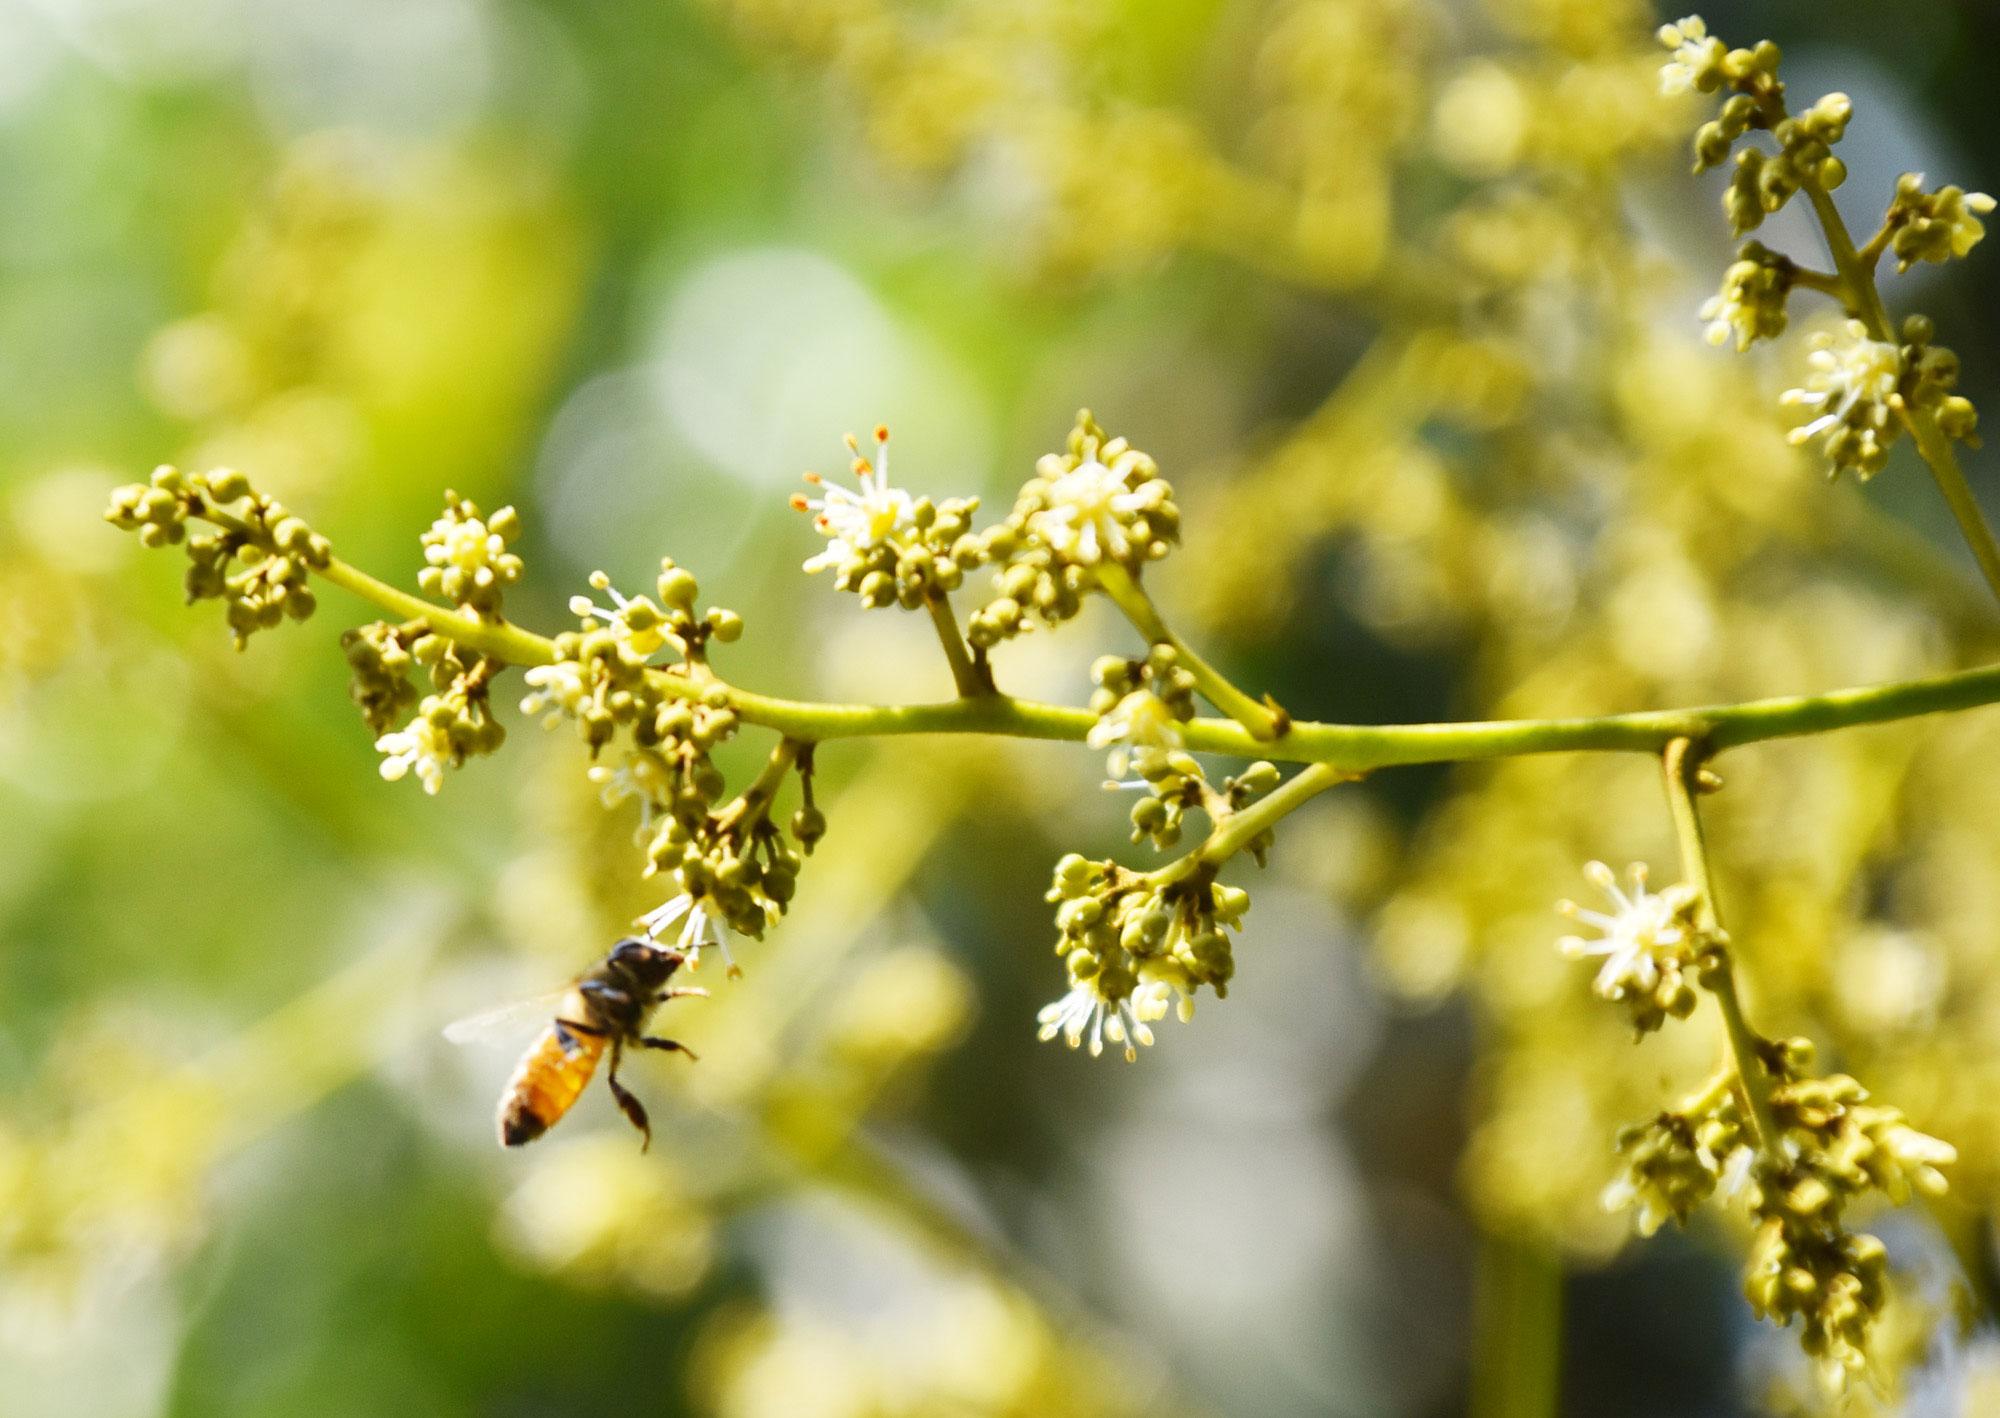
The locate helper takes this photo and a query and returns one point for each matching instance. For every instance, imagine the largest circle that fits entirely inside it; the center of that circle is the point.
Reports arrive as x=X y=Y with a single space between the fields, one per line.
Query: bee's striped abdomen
x=548 y=1081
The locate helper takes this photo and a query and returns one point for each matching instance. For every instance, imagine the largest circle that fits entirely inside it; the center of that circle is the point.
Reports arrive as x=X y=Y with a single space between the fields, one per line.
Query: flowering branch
x=1877 y=379
x=1351 y=747
x=1858 y=291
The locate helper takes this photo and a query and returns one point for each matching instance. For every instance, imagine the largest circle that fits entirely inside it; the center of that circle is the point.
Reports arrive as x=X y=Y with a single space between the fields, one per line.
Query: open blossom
x=1086 y=1015
x=1089 y=508
x=636 y=620
x=858 y=522
x=1139 y=721
x=1641 y=926
x=701 y=925
x=1853 y=384
x=423 y=747
x=1698 y=55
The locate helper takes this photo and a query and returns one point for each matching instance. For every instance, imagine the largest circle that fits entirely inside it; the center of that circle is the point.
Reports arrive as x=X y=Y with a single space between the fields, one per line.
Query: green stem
x=754 y=800
x=972 y=680
x=1262 y=720
x=1681 y=764
x=497 y=638
x=1348 y=747
x=1516 y=1331
x=1864 y=298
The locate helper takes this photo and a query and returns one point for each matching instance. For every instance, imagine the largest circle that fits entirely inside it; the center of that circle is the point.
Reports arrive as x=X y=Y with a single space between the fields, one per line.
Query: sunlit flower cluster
x=883 y=544
x=1934 y=226
x=466 y=560
x=1133 y=944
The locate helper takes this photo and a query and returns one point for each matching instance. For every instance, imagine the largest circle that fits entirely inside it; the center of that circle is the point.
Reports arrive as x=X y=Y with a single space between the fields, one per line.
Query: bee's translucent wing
x=505 y=1024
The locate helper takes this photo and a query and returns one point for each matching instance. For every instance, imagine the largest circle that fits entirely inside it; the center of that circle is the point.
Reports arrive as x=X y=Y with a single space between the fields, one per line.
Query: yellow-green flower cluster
x=1751 y=303
x=1763 y=182
x=1131 y=945
x=452 y=723
x=1934 y=226
x=1805 y=1146
x=884 y=545
x=379 y=661
x=734 y=869
x=1678 y=1160
x=644 y=626
x=466 y=560
x=1101 y=500
x=1140 y=706
x=257 y=558
x=1862 y=392
x=1833 y=1147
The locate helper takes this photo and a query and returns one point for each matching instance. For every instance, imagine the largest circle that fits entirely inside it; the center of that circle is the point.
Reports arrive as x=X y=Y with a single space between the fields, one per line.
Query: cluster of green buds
x=1132 y=943
x=735 y=871
x=256 y=557
x=1833 y=1146
x=452 y=723
x=1763 y=182
x=1648 y=942
x=1933 y=226
x=884 y=545
x=1140 y=705
x=1751 y=304
x=1862 y=392
x=1679 y=1159
x=466 y=560
x=1100 y=500
x=1173 y=785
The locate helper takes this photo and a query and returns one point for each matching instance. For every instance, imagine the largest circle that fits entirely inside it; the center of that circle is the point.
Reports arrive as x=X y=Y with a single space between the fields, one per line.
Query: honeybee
x=605 y=1009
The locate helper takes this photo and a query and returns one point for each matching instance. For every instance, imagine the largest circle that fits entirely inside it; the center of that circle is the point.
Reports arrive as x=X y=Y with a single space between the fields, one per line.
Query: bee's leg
x=635 y=1111
x=568 y=1029
x=671 y=1045
x=677 y=991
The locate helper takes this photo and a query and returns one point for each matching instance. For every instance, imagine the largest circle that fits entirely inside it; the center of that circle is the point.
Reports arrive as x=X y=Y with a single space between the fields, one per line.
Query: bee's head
x=649 y=963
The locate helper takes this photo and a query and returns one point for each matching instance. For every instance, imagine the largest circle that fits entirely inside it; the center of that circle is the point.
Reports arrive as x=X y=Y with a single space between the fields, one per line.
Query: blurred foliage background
x=1401 y=294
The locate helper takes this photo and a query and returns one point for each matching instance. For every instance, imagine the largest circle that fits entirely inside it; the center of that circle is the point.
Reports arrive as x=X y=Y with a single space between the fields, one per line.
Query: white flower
x=1085 y=1014
x=1642 y=925
x=701 y=925
x=559 y=689
x=1853 y=381
x=1141 y=720
x=856 y=523
x=643 y=776
x=423 y=746
x=636 y=619
x=1697 y=54
x=1089 y=507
